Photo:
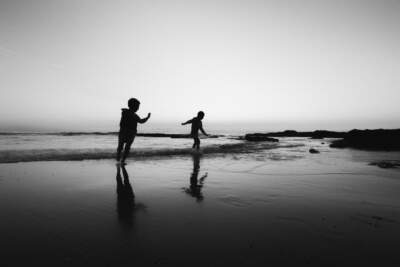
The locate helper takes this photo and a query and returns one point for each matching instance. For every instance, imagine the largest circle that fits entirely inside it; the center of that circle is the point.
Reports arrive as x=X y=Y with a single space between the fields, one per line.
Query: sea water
x=26 y=147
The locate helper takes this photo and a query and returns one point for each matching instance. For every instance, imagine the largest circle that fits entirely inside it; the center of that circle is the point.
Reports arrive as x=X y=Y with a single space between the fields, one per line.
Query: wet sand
x=330 y=209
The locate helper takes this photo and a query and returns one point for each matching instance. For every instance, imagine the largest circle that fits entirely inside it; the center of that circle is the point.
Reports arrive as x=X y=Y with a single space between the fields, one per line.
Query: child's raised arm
x=144 y=119
x=189 y=121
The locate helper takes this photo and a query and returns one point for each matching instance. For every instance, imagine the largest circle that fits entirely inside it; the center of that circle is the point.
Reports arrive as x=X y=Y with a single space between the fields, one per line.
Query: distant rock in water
x=313 y=151
x=386 y=164
x=318 y=134
x=164 y=135
x=173 y=135
x=259 y=137
x=380 y=139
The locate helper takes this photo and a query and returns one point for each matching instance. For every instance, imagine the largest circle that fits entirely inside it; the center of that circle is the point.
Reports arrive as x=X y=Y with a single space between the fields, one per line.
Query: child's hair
x=200 y=114
x=133 y=103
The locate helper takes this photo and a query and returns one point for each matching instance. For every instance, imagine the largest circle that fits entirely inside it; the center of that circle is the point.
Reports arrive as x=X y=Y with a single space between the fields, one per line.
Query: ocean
x=26 y=147
x=65 y=202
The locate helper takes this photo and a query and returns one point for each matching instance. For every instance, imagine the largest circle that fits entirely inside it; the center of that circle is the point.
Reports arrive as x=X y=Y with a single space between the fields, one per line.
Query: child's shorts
x=126 y=136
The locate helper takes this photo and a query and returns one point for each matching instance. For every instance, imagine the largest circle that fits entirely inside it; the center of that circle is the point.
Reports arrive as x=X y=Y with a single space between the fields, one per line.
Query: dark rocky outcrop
x=138 y=134
x=259 y=137
x=380 y=139
x=318 y=134
x=164 y=135
x=313 y=151
x=386 y=164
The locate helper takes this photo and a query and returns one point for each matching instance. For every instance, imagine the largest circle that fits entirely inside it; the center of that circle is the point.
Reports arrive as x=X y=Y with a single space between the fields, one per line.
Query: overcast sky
x=325 y=64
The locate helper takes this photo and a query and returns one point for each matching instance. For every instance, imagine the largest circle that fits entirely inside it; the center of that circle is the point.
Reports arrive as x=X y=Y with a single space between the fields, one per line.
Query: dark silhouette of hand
x=148 y=115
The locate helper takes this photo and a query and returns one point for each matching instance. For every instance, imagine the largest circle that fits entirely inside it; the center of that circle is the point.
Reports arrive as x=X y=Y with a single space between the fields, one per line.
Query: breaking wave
x=13 y=156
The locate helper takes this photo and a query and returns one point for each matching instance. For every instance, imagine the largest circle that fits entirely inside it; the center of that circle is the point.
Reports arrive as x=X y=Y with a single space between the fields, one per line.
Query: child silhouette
x=128 y=128
x=196 y=126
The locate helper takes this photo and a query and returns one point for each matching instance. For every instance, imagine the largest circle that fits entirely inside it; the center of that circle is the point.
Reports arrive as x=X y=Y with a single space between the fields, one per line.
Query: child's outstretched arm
x=202 y=130
x=189 y=121
x=145 y=119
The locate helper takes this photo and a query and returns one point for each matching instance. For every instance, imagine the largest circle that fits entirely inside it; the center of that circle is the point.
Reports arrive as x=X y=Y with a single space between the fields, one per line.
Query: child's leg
x=197 y=143
x=127 y=149
x=119 y=148
x=194 y=142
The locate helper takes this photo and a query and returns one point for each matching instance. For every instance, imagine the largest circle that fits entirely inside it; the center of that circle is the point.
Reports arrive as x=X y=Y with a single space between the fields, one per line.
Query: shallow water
x=50 y=147
x=92 y=141
x=277 y=206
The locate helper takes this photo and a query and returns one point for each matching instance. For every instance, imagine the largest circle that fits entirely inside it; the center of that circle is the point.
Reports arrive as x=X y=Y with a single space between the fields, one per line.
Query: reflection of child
x=128 y=128
x=196 y=126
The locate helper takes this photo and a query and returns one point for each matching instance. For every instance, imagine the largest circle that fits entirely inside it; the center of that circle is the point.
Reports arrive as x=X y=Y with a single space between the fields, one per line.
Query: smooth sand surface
x=328 y=209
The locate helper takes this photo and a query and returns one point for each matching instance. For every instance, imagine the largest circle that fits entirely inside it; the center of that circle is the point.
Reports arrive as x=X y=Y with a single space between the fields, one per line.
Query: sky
x=73 y=64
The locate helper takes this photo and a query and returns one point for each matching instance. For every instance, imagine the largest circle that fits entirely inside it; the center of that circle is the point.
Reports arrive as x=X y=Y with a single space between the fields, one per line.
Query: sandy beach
x=280 y=206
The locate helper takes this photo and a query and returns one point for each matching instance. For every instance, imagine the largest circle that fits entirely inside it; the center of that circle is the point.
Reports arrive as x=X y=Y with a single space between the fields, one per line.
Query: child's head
x=133 y=104
x=200 y=115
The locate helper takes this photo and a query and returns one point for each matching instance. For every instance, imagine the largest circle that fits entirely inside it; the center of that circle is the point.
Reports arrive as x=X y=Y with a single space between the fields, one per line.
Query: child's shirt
x=196 y=126
x=129 y=121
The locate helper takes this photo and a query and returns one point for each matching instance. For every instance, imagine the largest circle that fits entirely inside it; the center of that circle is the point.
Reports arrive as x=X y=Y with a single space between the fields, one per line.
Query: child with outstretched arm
x=196 y=126
x=128 y=128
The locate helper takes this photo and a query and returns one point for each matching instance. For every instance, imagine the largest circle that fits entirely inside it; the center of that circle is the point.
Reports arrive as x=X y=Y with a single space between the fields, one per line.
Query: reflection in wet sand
x=196 y=184
x=126 y=205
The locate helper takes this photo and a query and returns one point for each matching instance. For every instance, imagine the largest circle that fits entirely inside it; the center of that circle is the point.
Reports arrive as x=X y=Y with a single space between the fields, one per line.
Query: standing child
x=128 y=128
x=196 y=126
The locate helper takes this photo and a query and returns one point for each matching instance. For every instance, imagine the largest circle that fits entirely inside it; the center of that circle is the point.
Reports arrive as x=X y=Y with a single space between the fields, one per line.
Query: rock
x=386 y=164
x=380 y=139
x=318 y=134
x=258 y=137
x=166 y=135
x=321 y=134
x=173 y=135
x=313 y=151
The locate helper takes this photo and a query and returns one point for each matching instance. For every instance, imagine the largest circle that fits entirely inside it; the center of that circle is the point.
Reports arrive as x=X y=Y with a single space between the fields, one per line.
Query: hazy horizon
x=213 y=127
x=275 y=65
